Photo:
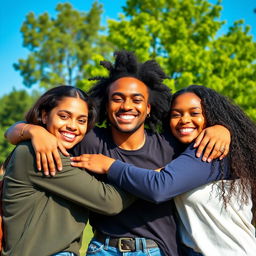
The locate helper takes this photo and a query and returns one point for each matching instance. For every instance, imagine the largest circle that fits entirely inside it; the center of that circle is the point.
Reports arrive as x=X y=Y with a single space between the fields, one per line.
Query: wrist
x=23 y=131
x=33 y=130
x=108 y=165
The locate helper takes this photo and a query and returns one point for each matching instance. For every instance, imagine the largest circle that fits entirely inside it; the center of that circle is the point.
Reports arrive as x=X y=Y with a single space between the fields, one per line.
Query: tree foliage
x=13 y=107
x=62 y=49
x=183 y=36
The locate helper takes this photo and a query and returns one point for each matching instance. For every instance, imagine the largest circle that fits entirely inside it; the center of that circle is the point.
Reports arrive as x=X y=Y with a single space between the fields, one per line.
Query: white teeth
x=186 y=130
x=71 y=136
x=126 y=117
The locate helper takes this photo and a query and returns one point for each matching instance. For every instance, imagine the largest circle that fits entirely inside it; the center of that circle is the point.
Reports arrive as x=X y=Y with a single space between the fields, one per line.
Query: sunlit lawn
x=86 y=239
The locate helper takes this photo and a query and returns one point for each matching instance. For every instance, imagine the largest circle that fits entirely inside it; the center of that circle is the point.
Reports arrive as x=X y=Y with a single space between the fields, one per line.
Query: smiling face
x=127 y=105
x=67 y=121
x=187 y=119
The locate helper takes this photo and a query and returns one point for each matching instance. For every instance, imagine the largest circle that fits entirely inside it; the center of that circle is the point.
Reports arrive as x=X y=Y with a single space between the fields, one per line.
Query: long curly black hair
x=220 y=110
x=149 y=72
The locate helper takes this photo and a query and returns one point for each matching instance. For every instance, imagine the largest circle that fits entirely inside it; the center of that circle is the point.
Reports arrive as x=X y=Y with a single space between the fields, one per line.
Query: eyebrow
x=177 y=109
x=70 y=113
x=133 y=94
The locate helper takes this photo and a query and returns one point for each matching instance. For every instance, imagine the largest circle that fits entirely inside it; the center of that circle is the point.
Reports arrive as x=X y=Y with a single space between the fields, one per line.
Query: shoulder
x=164 y=140
x=22 y=158
x=24 y=150
x=92 y=141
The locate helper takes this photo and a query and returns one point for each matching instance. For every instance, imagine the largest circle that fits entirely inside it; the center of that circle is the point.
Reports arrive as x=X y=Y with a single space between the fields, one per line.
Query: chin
x=125 y=129
x=69 y=145
x=185 y=140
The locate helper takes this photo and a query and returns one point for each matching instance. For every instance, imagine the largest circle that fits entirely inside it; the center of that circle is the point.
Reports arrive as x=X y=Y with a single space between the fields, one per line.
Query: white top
x=208 y=227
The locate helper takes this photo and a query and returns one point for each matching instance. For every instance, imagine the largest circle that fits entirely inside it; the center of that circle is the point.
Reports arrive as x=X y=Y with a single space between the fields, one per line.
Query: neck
x=129 y=141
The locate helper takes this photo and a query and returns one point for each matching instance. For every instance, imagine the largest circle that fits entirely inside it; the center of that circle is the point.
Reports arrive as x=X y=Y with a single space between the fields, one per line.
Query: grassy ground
x=86 y=239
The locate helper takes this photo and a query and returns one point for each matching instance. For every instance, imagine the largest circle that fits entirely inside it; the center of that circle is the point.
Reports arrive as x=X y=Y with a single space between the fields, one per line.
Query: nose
x=127 y=104
x=185 y=119
x=71 y=125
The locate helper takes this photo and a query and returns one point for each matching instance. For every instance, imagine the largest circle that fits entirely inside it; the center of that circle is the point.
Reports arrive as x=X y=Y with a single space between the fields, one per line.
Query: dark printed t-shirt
x=142 y=218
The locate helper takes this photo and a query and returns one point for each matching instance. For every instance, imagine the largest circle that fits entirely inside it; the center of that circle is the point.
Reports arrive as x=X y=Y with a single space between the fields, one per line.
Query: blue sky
x=13 y=12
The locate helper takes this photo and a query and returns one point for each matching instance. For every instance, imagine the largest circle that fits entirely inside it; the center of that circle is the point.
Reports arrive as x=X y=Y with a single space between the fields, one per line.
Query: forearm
x=84 y=189
x=181 y=175
x=22 y=131
x=13 y=133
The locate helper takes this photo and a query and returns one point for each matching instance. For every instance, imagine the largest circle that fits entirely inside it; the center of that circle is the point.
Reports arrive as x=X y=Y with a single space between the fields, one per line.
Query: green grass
x=87 y=235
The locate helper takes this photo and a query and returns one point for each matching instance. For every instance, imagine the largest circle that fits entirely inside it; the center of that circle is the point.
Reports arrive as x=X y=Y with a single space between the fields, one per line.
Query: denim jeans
x=96 y=248
x=64 y=254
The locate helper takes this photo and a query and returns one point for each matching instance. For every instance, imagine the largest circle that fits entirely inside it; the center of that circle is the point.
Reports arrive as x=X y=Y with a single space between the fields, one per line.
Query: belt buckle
x=120 y=240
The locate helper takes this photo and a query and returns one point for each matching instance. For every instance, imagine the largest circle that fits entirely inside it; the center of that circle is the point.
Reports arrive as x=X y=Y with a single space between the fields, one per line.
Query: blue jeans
x=64 y=254
x=96 y=248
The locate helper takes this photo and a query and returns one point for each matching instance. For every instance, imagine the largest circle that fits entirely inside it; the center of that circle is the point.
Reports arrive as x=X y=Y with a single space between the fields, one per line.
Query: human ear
x=148 y=109
x=44 y=117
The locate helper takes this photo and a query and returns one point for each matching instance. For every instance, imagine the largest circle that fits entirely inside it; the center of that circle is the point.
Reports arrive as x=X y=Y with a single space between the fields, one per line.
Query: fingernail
x=204 y=159
x=198 y=154
x=52 y=173
x=209 y=160
x=46 y=173
x=59 y=168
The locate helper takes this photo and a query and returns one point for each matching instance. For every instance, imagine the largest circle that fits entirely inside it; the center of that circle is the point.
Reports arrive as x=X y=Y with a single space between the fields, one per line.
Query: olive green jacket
x=45 y=215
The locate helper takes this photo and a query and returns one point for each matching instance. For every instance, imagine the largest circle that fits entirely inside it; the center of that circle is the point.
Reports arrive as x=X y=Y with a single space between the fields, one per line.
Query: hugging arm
x=44 y=143
x=184 y=173
x=76 y=185
x=213 y=142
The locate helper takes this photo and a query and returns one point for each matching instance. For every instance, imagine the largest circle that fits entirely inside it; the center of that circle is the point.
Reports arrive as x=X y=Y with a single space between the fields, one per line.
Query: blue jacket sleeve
x=184 y=173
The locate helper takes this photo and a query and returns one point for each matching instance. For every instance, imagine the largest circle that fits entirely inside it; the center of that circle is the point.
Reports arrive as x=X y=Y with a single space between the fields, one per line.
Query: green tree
x=13 y=107
x=62 y=49
x=182 y=36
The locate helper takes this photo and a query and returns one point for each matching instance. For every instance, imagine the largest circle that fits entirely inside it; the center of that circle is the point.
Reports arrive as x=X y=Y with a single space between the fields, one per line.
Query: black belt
x=125 y=244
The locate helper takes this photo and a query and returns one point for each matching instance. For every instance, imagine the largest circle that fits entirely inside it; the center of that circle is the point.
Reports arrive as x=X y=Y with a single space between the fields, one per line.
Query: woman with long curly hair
x=215 y=201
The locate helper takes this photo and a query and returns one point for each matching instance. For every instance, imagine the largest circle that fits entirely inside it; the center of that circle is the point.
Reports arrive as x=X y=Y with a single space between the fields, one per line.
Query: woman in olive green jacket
x=45 y=215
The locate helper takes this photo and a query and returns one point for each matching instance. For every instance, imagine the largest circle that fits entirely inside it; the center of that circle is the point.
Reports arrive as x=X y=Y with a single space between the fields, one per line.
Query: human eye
x=82 y=120
x=137 y=100
x=175 y=115
x=196 y=113
x=117 y=99
x=63 y=116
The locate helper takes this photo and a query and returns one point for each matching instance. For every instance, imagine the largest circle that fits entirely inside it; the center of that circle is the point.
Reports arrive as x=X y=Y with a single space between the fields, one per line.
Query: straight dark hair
x=52 y=97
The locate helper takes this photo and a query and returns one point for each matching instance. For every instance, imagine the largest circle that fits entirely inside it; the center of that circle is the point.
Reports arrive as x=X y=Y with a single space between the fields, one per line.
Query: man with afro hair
x=131 y=97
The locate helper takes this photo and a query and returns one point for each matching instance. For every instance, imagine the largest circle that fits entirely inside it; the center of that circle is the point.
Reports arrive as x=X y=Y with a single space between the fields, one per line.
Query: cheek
x=173 y=124
x=110 y=109
x=54 y=125
x=83 y=129
x=143 y=108
x=201 y=123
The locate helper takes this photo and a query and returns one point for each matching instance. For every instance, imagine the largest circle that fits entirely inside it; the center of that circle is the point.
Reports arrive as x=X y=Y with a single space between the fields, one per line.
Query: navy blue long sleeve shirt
x=184 y=173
